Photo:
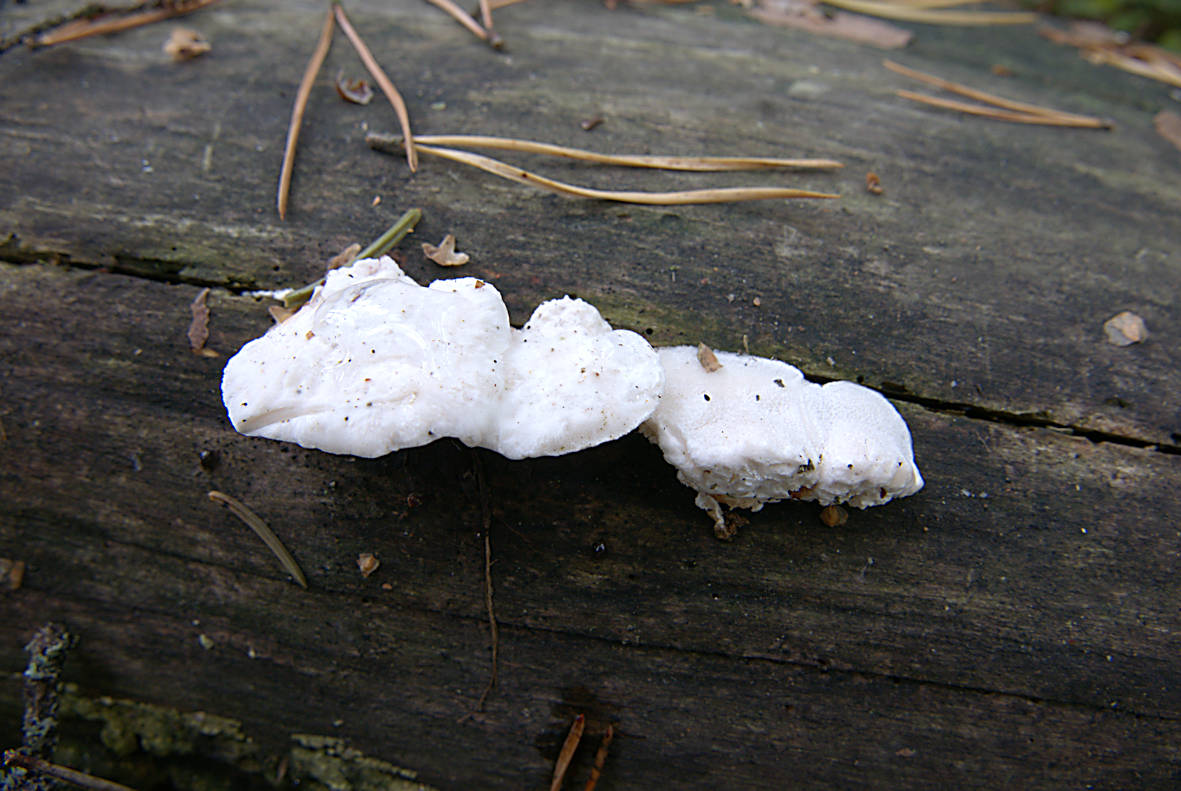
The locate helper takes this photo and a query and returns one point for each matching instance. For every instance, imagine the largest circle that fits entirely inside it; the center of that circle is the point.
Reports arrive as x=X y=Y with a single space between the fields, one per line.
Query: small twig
x=394 y=234
x=262 y=531
x=33 y=764
x=384 y=82
x=87 y=27
x=486 y=520
x=58 y=772
x=723 y=195
x=47 y=655
x=297 y=111
x=567 y=752
x=600 y=759
x=390 y=143
x=462 y=17
x=987 y=98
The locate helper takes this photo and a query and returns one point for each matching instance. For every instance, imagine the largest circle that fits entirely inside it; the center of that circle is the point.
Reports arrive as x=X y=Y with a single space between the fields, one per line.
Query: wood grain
x=1013 y=624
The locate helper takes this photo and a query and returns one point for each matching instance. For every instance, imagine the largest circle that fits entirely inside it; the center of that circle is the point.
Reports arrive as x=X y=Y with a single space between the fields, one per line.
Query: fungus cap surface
x=374 y=362
x=755 y=431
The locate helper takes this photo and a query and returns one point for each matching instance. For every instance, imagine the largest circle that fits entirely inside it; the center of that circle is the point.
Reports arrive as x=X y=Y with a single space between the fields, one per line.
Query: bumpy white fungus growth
x=753 y=431
x=374 y=362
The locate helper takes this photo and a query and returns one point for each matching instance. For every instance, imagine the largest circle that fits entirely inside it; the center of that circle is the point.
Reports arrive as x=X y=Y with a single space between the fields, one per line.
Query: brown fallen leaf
x=805 y=15
x=1168 y=126
x=356 y=91
x=444 y=254
x=833 y=515
x=344 y=257
x=186 y=44
x=1125 y=328
x=368 y=563
x=12 y=573
x=873 y=184
x=199 y=327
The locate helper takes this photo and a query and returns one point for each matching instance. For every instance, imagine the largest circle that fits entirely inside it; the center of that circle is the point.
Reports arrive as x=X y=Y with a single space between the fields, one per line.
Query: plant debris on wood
x=483 y=32
x=199 y=328
x=600 y=758
x=389 y=143
x=808 y=16
x=934 y=12
x=1168 y=126
x=383 y=82
x=297 y=111
x=444 y=253
x=1016 y=112
x=356 y=91
x=116 y=20
x=562 y=764
x=1101 y=45
x=12 y=574
x=1125 y=328
x=833 y=515
x=260 y=529
x=186 y=44
x=368 y=563
x=696 y=164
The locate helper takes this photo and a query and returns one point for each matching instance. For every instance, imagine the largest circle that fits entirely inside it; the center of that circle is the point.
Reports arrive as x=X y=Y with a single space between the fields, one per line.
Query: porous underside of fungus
x=374 y=362
x=754 y=431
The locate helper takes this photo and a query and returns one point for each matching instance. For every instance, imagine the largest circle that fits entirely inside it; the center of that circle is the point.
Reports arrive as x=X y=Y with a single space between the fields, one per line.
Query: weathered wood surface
x=1016 y=622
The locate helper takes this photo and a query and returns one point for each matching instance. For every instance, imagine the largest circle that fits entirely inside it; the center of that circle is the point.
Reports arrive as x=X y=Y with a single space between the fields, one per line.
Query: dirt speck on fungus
x=707 y=358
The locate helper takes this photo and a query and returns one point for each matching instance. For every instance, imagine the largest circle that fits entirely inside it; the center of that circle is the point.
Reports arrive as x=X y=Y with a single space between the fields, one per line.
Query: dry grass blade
x=297 y=111
x=39 y=766
x=723 y=195
x=462 y=17
x=567 y=752
x=495 y=5
x=988 y=98
x=262 y=531
x=697 y=164
x=384 y=82
x=1006 y=115
x=909 y=13
x=85 y=28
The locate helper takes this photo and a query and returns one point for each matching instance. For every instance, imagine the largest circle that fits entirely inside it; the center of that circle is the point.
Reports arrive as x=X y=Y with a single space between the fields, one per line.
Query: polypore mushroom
x=374 y=362
x=746 y=431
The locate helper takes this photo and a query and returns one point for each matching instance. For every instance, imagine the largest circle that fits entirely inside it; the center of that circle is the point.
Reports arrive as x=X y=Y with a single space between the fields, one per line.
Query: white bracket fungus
x=745 y=431
x=374 y=362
